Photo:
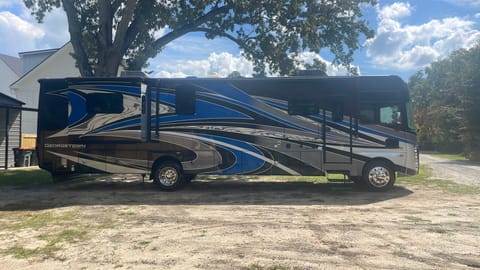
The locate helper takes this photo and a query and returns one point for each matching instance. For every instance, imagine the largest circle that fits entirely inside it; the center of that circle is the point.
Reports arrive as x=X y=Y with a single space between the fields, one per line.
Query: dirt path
x=237 y=224
x=462 y=172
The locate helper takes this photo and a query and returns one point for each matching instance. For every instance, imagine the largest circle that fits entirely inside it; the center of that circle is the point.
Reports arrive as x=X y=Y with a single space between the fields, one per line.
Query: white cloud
x=477 y=15
x=21 y=32
x=17 y=34
x=221 y=64
x=55 y=27
x=395 y=11
x=409 y=47
x=332 y=70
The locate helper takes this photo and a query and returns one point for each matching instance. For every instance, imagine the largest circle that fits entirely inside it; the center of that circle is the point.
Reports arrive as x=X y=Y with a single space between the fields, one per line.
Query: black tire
x=378 y=176
x=168 y=175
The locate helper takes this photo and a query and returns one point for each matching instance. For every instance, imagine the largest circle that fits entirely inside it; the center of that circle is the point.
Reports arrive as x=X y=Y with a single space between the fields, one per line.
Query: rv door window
x=104 y=103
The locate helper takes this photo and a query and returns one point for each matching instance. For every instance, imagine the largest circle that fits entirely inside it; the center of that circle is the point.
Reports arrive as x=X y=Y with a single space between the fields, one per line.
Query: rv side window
x=303 y=107
x=104 y=103
x=384 y=115
x=185 y=100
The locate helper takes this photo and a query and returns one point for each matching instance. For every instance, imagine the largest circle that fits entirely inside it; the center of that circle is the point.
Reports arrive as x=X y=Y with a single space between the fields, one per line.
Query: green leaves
x=270 y=33
x=446 y=96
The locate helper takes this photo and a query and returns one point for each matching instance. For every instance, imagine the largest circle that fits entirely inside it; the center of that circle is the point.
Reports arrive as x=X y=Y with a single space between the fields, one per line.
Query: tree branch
x=238 y=41
x=123 y=26
x=75 y=30
x=161 y=42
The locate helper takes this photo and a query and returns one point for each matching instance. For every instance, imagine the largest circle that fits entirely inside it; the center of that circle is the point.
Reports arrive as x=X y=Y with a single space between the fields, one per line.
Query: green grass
x=54 y=229
x=23 y=177
x=438 y=230
x=34 y=220
x=257 y=266
x=54 y=244
x=447 y=156
x=416 y=219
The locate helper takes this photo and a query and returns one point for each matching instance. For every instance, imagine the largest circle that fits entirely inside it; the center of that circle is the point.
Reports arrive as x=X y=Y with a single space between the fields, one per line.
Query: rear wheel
x=378 y=175
x=168 y=176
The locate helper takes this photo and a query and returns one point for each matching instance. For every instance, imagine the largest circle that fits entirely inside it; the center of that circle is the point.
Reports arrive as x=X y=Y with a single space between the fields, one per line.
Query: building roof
x=6 y=101
x=14 y=63
x=53 y=52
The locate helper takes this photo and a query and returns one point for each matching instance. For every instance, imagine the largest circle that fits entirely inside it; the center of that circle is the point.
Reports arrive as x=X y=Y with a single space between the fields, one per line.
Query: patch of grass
x=415 y=219
x=35 y=220
x=452 y=156
x=446 y=156
x=39 y=220
x=423 y=179
x=23 y=253
x=257 y=266
x=69 y=236
x=54 y=244
x=24 y=177
x=141 y=245
x=438 y=230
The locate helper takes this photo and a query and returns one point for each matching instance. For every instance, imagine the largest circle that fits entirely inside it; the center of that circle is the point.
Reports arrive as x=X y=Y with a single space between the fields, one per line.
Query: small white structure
x=53 y=63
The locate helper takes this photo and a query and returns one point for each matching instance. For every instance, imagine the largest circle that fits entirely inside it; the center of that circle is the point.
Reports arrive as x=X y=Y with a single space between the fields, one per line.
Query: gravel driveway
x=463 y=172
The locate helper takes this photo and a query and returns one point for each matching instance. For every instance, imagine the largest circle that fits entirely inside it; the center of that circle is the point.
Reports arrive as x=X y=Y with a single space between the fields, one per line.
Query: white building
x=10 y=71
x=53 y=63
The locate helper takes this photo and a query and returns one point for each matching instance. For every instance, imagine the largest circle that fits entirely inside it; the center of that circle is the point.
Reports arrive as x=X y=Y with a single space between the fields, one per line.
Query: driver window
x=390 y=116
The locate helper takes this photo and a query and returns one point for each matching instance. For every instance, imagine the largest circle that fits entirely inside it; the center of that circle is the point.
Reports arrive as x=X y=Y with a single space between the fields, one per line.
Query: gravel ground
x=463 y=172
x=120 y=223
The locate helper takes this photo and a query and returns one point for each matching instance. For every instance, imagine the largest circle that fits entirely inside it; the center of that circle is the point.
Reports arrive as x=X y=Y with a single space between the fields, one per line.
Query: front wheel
x=168 y=176
x=378 y=176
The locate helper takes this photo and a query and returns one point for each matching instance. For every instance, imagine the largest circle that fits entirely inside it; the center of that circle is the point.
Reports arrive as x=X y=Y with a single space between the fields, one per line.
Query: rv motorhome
x=174 y=129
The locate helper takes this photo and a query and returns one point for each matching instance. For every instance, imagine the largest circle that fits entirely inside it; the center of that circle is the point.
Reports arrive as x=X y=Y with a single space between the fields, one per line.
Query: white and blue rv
x=174 y=129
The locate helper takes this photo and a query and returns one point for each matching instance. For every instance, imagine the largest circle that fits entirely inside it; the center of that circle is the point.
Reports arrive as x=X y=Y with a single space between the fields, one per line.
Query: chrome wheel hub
x=379 y=176
x=168 y=176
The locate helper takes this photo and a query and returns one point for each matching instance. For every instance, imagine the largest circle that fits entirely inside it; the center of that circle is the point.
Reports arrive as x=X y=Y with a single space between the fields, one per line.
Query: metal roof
x=14 y=63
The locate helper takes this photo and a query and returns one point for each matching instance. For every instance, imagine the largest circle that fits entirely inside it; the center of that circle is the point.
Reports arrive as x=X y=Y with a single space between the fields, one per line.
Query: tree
x=317 y=65
x=235 y=74
x=446 y=96
x=270 y=33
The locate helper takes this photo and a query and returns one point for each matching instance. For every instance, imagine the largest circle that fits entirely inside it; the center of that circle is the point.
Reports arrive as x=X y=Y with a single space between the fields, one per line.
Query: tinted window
x=104 y=103
x=303 y=107
x=185 y=100
x=53 y=113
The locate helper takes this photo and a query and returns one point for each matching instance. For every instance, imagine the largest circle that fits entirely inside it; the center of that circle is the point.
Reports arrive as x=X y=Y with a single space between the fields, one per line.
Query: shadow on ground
x=203 y=192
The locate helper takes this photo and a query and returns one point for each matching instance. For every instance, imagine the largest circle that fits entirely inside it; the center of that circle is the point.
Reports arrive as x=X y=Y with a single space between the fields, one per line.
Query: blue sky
x=409 y=36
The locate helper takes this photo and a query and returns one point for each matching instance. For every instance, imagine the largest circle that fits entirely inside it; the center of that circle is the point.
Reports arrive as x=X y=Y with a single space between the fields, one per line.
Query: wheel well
x=160 y=160
x=389 y=162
